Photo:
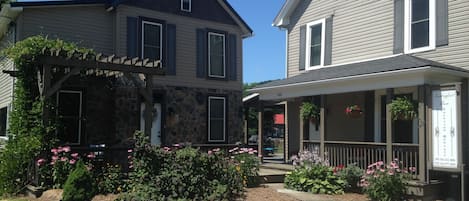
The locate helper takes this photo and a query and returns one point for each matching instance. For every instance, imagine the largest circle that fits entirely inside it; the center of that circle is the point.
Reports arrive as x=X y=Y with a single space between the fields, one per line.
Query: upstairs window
x=419 y=25
x=152 y=40
x=216 y=55
x=216 y=119
x=315 y=36
x=3 y=121
x=186 y=5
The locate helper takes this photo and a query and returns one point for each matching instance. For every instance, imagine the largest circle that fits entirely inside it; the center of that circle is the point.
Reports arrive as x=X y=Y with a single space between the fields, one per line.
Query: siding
x=6 y=82
x=457 y=51
x=89 y=26
x=361 y=29
x=364 y=30
x=185 y=47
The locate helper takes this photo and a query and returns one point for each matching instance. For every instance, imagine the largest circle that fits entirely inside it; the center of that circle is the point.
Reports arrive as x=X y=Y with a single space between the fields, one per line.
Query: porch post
x=46 y=82
x=246 y=125
x=322 y=127
x=422 y=125
x=260 y=136
x=389 y=97
x=302 y=130
x=148 y=104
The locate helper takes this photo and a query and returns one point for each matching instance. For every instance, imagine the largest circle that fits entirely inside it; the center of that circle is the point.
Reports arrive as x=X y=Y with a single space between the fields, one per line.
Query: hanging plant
x=353 y=111
x=309 y=111
x=403 y=109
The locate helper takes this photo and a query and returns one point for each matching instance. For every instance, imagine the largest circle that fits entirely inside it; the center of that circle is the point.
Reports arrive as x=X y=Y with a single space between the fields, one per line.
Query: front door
x=155 y=137
x=70 y=113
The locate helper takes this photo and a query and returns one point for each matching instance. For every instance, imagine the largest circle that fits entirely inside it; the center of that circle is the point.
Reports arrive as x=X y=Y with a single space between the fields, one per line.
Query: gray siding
x=89 y=26
x=185 y=47
x=457 y=51
x=364 y=30
x=6 y=81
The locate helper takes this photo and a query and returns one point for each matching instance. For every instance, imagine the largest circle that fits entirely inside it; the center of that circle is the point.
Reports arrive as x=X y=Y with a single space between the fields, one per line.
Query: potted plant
x=403 y=109
x=353 y=111
x=309 y=111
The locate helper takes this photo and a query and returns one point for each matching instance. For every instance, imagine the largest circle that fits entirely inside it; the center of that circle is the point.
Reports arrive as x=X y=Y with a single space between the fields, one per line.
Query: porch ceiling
x=391 y=72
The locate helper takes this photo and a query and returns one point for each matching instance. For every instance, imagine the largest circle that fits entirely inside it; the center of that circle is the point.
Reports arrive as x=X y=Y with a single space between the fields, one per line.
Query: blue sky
x=264 y=53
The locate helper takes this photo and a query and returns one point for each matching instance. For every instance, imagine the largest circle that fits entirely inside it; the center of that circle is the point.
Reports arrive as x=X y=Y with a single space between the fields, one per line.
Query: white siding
x=6 y=81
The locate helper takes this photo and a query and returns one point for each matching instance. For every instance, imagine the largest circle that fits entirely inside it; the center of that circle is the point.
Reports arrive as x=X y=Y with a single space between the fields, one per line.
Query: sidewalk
x=304 y=196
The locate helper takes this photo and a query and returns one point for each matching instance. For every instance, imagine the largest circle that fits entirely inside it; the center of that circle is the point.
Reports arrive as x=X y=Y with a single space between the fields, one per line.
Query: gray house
x=199 y=47
x=366 y=54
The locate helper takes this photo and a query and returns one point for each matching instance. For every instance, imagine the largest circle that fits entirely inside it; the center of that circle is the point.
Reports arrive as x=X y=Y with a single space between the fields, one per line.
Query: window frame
x=190 y=6
x=408 y=27
x=80 y=113
x=5 y=137
x=142 y=35
x=209 y=117
x=209 y=33
x=308 y=44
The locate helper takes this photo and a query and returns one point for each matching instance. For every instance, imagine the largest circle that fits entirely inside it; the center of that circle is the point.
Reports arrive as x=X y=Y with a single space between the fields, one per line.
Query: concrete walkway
x=304 y=196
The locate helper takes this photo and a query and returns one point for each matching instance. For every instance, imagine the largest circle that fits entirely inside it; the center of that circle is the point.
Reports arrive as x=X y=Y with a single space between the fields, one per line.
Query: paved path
x=304 y=196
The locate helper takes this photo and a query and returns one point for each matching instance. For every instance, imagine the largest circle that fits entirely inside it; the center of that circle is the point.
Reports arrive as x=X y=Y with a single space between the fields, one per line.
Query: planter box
x=419 y=191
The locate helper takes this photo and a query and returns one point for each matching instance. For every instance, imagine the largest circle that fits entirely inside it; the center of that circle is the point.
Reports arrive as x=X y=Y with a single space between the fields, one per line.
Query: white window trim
x=143 y=38
x=308 y=43
x=224 y=118
x=7 y=123
x=224 y=55
x=79 y=112
x=190 y=6
x=408 y=28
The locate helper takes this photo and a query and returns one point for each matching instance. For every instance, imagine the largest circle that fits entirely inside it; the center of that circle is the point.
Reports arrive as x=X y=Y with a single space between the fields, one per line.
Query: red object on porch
x=279 y=119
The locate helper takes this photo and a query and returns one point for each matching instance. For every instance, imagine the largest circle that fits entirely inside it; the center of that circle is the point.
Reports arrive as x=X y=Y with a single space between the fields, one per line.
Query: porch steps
x=418 y=191
x=273 y=172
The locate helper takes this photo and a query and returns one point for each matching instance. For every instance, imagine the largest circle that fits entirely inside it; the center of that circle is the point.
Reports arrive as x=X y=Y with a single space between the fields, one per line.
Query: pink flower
x=75 y=155
x=209 y=152
x=131 y=166
x=55 y=158
x=412 y=169
x=73 y=161
x=66 y=149
x=129 y=151
x=59 y=149
x=63 y=159
x=40 y=162
x=55 y=151
x=52 y=163
x=91 y=155
x=380 y=163
x=216 y=150
x=129 y=157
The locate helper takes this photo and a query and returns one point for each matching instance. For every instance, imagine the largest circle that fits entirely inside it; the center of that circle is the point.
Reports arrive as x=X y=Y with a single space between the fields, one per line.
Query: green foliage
x=29 y=137
x=247 y=164
x=80 y=184
x=403 y=109
x=180 y=173
x=309 y=111
x=111 y=179
x=352 y=175
x=317 y=178
x=383 y=182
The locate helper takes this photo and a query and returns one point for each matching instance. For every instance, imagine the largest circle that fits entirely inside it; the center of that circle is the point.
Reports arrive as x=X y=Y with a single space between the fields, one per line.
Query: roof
x=283 y=17
x=113 y=3
x=394 y=63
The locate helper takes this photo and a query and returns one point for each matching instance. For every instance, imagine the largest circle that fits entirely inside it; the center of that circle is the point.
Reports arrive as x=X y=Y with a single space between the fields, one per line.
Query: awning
x=390 y=72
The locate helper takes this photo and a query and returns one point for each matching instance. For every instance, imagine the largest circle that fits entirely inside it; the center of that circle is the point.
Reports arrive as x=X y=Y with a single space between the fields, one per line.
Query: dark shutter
x=398 y=26
x=132 y=36
x=171 y=49
x=302 y=47
x=232 y=57
x=328 y=42
x=201 y=53
x=442 y=22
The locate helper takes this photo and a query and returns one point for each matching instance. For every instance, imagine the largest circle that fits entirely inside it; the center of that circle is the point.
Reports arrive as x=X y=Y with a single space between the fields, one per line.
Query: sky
x=263 y=53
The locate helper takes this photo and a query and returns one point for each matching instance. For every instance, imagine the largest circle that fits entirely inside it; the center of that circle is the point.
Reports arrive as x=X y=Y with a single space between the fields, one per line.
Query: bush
x=80 y=184
x=111 y=179
x=181 y=173
x=385 y=182
x=352 y=175
x=248 y=163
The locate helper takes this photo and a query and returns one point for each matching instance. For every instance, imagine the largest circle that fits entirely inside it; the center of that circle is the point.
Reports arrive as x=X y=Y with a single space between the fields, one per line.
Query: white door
x=155 y=137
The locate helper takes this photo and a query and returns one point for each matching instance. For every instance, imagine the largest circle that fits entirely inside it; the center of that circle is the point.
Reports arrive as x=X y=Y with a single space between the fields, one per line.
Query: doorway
x=155 y=137
x=69 y=111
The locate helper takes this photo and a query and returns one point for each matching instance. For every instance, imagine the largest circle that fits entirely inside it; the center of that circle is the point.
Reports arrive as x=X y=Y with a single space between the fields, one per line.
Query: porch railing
x=365 y=153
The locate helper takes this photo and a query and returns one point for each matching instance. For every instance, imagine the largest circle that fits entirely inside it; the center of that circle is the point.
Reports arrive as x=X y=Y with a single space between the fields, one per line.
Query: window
x=69 y=112
x=3 y=121
x=315 y=44
x=216 y=119
x=152 y=40
x=216 y=55
x=419 y=25
x=186 y=5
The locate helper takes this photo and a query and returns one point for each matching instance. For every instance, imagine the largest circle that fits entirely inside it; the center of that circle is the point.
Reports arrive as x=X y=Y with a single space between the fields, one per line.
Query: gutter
x=8 y=15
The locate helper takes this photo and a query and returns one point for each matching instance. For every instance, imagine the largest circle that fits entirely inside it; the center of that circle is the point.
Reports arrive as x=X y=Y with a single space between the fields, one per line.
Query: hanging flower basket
x=354 y=111
x=309 y=111
x=403 y=109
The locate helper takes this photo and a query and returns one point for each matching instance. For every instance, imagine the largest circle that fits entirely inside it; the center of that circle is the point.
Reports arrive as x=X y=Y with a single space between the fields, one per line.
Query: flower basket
x=403 y=109
x=309 y=111
x=354 y=111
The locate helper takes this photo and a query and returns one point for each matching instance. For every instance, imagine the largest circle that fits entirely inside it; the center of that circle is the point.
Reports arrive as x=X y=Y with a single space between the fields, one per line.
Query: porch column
x=389 y=97
x=46 y=83
x=260 y=136
x=246 y=125
x=422 y=103
x=322 y=126
x=148 y=104
x=302 y=131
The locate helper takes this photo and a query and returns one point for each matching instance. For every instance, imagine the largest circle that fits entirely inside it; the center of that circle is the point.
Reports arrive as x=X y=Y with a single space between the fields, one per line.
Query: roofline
x=56 y=3
x=248 y=32
x=283 y=17
x=247 y=98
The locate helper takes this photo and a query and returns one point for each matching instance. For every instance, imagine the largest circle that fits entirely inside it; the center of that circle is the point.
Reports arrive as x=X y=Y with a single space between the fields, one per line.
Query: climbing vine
x=28 y=136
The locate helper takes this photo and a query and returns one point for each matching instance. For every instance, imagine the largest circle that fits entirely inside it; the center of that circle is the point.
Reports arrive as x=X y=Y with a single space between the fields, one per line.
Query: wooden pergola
x=139 y=71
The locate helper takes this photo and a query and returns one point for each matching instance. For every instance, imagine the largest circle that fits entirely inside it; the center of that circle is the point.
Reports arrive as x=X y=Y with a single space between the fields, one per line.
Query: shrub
x=352 y=175
x=385 y=182
x=80 y=184
x=111 y=179
x=248 y=163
